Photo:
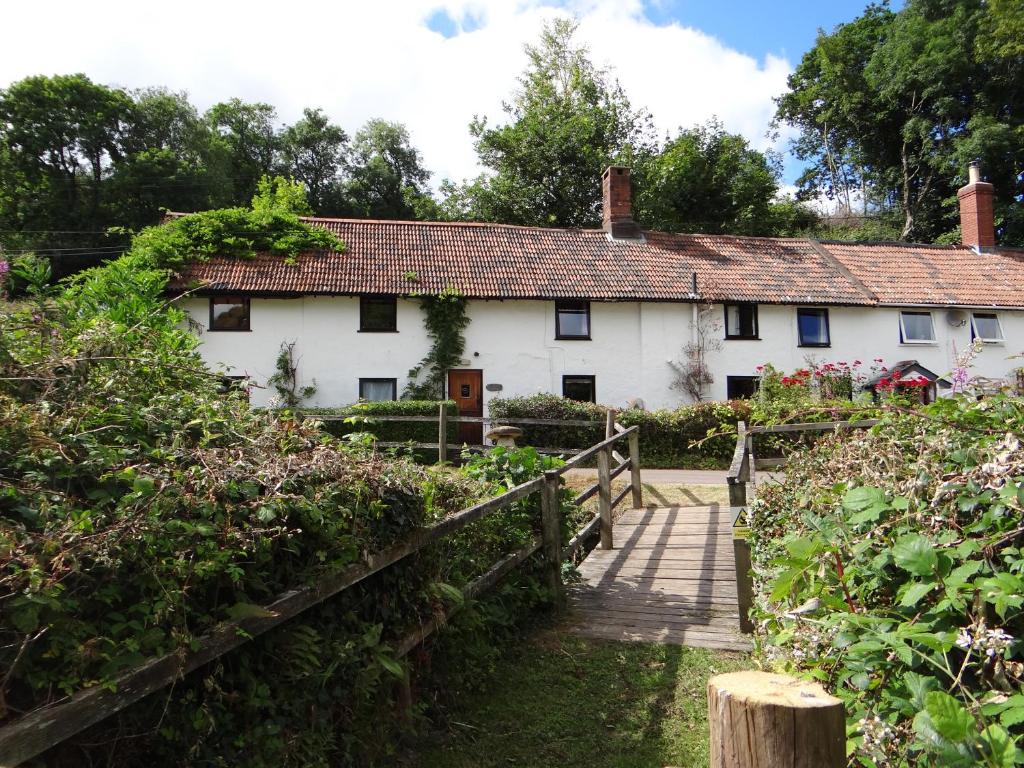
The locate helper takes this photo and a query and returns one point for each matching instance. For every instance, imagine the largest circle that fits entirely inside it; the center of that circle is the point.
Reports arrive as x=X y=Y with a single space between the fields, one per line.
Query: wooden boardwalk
x=670 y=579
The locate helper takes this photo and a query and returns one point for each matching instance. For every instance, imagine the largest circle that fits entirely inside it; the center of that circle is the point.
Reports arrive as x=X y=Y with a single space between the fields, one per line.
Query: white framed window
x=985 y=326
x=917 y=328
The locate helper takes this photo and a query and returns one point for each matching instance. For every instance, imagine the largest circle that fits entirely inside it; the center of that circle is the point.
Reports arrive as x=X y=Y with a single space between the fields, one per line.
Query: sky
x=430 y=65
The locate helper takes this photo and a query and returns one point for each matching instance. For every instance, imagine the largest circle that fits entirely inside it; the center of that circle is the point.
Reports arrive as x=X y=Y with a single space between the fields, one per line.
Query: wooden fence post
x=442 y=434
x=634 y=469
x=763 y=720
x=551 y=533
x=604 y=496
x=609 y=423
x=744 y=579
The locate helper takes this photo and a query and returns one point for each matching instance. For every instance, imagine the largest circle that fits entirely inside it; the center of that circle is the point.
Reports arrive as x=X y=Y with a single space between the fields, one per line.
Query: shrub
x=388 y=431
x=139 y=507
x=888 y=565
x=667 y=436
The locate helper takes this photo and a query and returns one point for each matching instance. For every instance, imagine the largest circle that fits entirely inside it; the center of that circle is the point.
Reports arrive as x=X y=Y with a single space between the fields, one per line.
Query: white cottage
x=607 y=314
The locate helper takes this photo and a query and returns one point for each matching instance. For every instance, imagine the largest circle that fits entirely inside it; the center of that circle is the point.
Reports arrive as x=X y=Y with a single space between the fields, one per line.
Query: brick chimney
x=618 y=204
x=977 y=228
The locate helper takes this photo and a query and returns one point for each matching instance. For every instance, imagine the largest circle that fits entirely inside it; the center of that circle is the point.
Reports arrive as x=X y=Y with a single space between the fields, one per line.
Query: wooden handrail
x=814 y=426
x=736 y=468
x=52 y=724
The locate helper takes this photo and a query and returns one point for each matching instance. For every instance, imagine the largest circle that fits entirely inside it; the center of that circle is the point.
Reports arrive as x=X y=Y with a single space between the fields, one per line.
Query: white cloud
x=358 y=60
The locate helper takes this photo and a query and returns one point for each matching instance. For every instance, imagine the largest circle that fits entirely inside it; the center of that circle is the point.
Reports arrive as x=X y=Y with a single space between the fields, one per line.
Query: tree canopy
x=892 y=105
x=83 y=165
x=567 y=121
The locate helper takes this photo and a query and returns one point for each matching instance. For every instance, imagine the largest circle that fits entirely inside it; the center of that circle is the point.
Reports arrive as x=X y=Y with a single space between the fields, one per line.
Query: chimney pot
x=977 y=222
x=617 y=204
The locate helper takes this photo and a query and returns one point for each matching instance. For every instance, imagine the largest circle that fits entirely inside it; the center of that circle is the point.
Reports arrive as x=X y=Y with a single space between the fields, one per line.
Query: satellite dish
x=956 y=318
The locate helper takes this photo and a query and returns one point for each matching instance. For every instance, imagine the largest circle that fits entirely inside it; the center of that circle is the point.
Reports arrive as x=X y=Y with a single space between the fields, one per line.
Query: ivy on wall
x=445 y=320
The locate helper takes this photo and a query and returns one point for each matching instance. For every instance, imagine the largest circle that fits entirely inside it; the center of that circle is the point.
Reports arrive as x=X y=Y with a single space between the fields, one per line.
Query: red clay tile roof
x=495 y=261
x=899 y=273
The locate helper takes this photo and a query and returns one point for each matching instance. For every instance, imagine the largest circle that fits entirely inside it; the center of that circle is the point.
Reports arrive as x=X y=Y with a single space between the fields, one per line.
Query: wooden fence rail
x=443 y=419
x=743 y=473
x=48 y=726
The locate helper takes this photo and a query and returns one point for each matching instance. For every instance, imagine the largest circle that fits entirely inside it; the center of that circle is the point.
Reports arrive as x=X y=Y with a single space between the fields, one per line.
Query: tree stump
x=763 y=720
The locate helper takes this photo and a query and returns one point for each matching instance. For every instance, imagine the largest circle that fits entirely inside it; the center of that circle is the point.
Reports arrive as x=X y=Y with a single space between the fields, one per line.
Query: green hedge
x=389 y=431
x=666 y=435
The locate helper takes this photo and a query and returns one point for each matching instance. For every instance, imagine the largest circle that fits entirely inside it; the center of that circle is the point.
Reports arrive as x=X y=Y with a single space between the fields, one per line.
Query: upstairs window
x=229 y=313
x=812 y=325
x=741 y=321
x=579 y=388
x=378 y=390
x=378 y=314
x=916 y=328
x=985 y=326
x=572 y=319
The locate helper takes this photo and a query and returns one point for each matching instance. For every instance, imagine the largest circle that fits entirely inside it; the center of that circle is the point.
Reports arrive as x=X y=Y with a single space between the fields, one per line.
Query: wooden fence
x=48 y=726
x=443 y=419
x=743 y=471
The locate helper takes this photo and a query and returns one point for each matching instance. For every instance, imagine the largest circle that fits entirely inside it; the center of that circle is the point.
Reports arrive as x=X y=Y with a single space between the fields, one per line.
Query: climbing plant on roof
x=273 y=224
x=445 y=320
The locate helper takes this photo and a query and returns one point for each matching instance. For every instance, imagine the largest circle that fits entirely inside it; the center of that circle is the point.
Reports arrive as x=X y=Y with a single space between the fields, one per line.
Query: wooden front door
x=466 y=388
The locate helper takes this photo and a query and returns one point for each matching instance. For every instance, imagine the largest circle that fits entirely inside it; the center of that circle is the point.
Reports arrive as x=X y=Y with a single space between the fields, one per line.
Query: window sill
x=373 y=330
x=814 y=346
x=229 y=330
x=919 y=343
x=991 y=342
x=573 y=338
x=742 y=338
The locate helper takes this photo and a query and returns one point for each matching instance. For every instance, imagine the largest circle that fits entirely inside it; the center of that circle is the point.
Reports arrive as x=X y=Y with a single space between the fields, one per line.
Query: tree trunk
x=763 y=720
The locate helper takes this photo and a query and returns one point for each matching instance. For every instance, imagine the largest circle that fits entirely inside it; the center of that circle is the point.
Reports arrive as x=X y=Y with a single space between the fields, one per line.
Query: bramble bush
x=140 y=506
x=888 y=565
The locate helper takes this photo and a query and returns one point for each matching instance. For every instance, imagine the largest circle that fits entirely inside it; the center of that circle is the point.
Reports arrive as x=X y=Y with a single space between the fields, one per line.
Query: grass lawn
x=561 y=701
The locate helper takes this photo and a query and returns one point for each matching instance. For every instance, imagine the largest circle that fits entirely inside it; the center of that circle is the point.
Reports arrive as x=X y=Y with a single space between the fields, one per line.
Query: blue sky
x=785 y=28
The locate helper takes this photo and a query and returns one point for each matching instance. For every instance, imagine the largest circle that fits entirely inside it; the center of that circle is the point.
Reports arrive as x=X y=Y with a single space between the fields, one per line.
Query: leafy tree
x=59 y=135
x=315 y=152
x=568 y=120
x=891 y=106
x=388 y=180
x=246 y=141
x=168 y=162
x=707 y=180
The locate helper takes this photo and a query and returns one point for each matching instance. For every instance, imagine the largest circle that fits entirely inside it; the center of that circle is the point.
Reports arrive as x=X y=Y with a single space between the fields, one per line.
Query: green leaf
x=918 y=686
x=951 y=720
x=999 y=746
x=391 y=665
x=913 y=594
x=915 y=553
x=867 y=503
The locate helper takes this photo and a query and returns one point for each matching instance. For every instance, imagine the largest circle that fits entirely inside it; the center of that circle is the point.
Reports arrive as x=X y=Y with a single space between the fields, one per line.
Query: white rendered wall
x=861 y=333
x=513 y=342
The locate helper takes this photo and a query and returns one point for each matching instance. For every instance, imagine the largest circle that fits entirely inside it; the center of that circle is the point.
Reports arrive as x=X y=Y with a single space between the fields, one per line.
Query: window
x=572 y=319
x=377 y=390
x=812 y=325
x=985 y=326
x=378 y=314
x=741 y=321
x=916 y=328
x=579 y=388
x=229 y=313
x=741 y=387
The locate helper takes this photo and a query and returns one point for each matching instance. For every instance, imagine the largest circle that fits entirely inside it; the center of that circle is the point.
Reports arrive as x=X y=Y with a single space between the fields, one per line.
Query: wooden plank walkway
x=670 y=579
